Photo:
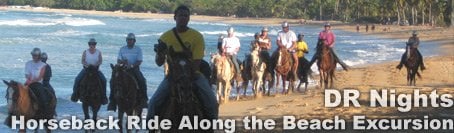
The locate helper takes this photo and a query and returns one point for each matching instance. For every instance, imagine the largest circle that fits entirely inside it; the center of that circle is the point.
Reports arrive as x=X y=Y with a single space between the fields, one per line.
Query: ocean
x=64 y=37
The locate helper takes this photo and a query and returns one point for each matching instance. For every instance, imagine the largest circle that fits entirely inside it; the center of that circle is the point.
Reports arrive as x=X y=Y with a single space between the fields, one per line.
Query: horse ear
x=6 y=82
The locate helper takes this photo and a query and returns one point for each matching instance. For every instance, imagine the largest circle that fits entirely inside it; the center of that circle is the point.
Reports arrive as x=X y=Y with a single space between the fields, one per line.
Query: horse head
x=20 y=100
x=91 y=85
x=180 y=66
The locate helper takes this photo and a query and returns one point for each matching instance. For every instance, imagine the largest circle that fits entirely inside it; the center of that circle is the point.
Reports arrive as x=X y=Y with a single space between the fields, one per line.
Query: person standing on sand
x=413 y=42
x=357 y=27
x=367 y=27
x=373 y=27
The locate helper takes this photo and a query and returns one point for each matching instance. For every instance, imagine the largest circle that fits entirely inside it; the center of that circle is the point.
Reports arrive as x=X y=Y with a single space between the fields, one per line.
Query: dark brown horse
x=90 y=90
x=326 y=65
x=126 y=92
x=283 y=68
x=24 y=102
x=412 y=64
x=183 y=100
x=303 y=74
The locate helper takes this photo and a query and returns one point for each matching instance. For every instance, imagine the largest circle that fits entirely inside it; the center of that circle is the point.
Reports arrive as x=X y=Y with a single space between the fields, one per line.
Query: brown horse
x=412 y=64
x=225 y=73
x=326 y=65
x=303 y=74
x=126 y=92
x=90 y=90
x=26 y=103
x=183 y=100
x=283 y=61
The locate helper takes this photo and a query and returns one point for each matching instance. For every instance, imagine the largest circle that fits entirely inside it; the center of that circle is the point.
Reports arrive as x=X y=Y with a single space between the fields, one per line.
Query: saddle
x=46 y=99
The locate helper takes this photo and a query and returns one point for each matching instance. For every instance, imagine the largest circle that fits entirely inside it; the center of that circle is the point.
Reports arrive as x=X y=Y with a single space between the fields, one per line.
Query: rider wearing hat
x=131 y=56
x=287 y=39
x=90 y=57
x=34 y=74
x=264 y=42
x=413 y=42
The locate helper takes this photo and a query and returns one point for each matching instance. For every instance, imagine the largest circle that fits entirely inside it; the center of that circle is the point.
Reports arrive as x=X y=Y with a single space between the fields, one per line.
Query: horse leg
x=227 y=92
x=412 y=78
x=238 y=92
x=321 y=79
x=283 y=78
x=85 y=108
x=219 y=91
x=408 y=77
x=326 y=80
x=277 y=79
x=120 y=119
x=331 y=76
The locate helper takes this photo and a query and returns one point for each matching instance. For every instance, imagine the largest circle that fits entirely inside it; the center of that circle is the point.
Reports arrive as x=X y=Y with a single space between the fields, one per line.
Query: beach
x=309 y=104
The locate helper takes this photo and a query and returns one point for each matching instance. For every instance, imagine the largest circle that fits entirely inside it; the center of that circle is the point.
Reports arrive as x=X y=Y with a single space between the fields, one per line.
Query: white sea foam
x=48 y=22
x=24 y=22
x=70 y=32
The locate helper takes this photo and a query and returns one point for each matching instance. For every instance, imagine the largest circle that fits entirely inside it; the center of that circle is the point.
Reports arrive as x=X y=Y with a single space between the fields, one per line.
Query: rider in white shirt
x=287 y=39
x=90 y=57
x=231 y=46
x=35 y=69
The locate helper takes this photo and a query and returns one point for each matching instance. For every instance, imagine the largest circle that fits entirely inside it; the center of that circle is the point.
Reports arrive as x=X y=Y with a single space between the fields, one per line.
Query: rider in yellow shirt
x=301 y=46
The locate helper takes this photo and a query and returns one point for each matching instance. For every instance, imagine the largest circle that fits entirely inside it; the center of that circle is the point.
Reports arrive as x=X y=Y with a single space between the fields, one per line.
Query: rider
x=287 y=39
x=90 y=57
x=47 y=74
x=192 y=39
x=231 y=46
x=265 y=46
x=413 y=42
x=328 y=37
x=301 y=48
x=34 y=74
x=220 y=38
x=131 y=56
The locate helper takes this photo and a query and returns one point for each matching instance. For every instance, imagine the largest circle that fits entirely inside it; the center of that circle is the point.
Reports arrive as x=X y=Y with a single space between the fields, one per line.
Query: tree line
x=413 y=12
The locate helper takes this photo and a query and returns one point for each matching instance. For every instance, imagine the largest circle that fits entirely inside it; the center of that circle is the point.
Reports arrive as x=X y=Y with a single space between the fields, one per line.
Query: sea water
x=64 y=37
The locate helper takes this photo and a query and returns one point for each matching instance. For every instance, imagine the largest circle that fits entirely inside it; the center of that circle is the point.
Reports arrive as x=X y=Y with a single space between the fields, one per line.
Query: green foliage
x=365 y=11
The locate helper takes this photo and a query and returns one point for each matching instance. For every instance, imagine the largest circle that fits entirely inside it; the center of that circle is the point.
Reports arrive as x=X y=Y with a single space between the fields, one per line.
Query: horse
x=90 y=90
x=303 y=73
x=183 y=100
x=258 y=68
x=125 y=89
x=412 y=64
x=225 y=72
x=283 y=67
x=24 y=102
x=326 y=65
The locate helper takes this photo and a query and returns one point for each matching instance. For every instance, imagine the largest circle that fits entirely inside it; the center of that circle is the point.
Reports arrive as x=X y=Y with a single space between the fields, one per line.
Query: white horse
x=258 y=68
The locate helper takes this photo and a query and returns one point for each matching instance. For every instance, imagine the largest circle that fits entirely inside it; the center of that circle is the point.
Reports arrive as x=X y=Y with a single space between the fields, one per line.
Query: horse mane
x=90 y=85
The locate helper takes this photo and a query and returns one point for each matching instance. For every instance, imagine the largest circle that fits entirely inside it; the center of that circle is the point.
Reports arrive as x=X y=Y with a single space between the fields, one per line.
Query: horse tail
x=418 y=74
